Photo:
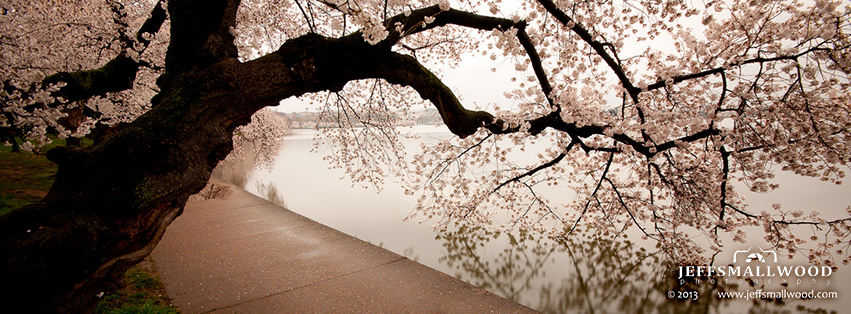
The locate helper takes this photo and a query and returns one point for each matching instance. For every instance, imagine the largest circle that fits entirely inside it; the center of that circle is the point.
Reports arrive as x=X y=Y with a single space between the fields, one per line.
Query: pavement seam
x=401 y=258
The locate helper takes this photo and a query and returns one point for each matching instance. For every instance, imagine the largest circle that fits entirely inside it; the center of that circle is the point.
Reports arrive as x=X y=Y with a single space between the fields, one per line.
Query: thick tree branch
x=200 y=37
x=333 y=62
x=152 y=24
x=314 y=63
x=116 y=75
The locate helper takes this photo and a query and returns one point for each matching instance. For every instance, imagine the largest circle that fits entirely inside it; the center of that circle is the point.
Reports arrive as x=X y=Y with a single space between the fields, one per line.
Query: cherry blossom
x=263 y=136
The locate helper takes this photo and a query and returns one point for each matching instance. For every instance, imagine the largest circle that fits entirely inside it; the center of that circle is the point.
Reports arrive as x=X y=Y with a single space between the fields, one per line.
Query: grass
x=141 y=292
x=25 y=178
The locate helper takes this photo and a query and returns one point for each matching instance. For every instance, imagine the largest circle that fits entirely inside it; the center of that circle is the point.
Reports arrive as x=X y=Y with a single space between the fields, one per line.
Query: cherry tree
x=649 y=138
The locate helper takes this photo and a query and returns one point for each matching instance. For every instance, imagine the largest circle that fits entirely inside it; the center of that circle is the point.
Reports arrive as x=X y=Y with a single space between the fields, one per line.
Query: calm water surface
x=587 y=274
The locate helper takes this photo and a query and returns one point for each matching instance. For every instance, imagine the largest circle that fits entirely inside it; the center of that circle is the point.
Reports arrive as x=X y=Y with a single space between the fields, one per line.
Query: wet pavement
x=243 y=254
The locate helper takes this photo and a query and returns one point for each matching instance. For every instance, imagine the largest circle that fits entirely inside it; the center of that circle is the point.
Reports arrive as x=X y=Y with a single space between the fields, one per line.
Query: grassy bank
x=26 y=178
x=141 y=292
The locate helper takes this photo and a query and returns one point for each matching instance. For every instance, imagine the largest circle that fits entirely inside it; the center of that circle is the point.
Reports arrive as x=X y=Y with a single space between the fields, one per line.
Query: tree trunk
x=110 y=203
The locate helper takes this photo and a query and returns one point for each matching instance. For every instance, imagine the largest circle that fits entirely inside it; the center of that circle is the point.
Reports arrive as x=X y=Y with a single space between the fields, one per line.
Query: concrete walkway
x=242 y=254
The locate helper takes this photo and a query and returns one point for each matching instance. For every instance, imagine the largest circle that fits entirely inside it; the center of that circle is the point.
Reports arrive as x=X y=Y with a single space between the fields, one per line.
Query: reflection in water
x=589 y=273
x=601 y=275
x=234 y=171
x=269 y=191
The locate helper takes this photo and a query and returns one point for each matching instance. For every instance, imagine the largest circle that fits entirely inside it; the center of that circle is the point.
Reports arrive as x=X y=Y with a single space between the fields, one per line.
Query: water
x=590 y=273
